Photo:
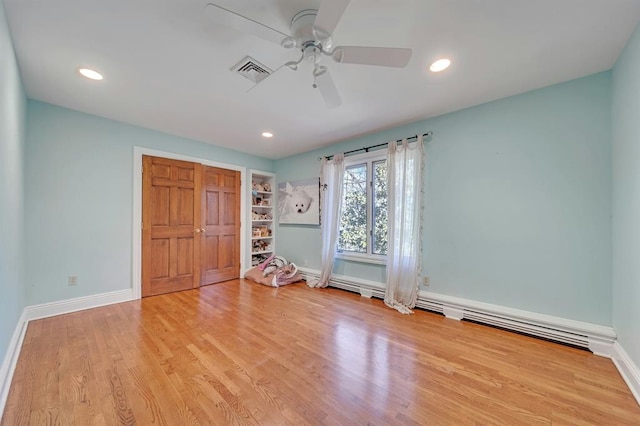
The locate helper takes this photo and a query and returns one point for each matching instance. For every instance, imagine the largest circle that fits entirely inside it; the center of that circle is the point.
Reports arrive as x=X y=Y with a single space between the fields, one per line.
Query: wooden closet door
x=171 y=196
x=221 y=224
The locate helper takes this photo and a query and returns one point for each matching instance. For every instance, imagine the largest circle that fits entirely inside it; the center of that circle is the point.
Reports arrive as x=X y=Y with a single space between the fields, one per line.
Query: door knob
x=204 y=231
x=196 y=231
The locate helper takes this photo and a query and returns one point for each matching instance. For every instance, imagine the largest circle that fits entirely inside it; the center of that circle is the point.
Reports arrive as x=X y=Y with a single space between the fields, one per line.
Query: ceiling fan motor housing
x=302 y=26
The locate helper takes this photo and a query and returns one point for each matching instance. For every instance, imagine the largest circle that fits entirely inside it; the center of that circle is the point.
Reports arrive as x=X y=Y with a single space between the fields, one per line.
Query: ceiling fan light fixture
x=440 y=65
x=311 y=32
x=267 y=135
x=311 y=53
x=90 y=74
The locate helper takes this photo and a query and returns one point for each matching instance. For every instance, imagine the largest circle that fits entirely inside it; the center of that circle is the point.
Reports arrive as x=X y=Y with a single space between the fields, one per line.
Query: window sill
x=362 y=258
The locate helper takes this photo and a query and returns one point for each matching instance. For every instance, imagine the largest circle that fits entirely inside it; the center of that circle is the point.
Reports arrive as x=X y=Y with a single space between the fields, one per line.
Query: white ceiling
x=167 y=65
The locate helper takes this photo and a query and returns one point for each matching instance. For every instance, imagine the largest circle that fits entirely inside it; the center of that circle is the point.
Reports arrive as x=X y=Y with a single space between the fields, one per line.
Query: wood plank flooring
x=241 y=353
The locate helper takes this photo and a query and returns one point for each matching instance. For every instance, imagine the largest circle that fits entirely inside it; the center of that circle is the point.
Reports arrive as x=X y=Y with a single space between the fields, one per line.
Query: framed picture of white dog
x=299 y=202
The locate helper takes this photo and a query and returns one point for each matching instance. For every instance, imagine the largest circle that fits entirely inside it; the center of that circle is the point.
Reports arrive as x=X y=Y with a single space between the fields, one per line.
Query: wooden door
x=221 y=225
x=171 y=196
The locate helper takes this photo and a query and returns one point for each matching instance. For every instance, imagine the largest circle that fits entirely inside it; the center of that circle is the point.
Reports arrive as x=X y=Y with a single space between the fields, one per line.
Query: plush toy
x=277 y=276
x=260 y=245
x=274 y=264
x=288 y=274
x=267 y=187
x=264 y=264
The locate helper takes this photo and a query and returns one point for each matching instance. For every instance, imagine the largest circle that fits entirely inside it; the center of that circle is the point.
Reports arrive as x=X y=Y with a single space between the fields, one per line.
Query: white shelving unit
x=262 y=201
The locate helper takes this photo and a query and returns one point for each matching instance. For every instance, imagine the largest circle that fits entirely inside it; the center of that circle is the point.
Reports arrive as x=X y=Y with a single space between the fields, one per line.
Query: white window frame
x=369 y=158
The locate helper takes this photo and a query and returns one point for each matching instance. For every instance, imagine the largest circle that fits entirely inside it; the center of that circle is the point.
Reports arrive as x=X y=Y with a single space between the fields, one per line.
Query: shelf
x=262 y=216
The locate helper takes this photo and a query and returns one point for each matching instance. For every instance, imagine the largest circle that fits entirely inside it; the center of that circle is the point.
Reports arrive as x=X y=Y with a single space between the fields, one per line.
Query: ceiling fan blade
x=330 y=13
x=382 y=56
x=328 y=90
x=228 y=18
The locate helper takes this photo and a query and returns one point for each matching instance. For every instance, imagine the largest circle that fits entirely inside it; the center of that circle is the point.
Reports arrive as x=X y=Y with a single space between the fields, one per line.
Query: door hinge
x=141 y=225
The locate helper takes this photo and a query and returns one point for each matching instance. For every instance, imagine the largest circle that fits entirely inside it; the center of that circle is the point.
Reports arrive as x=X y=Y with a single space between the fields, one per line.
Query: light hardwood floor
x=240 y=353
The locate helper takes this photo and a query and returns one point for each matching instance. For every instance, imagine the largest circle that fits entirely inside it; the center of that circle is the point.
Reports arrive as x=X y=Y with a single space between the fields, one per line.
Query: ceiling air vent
x=252 y=69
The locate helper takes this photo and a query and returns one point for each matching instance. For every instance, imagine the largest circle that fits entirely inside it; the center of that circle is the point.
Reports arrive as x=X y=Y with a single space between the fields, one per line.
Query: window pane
x=353 y=221
x=380 y=207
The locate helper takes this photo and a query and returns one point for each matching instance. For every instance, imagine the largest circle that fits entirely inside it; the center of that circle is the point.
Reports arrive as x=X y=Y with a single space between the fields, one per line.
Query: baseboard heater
x=598 y=339
x=554 y=334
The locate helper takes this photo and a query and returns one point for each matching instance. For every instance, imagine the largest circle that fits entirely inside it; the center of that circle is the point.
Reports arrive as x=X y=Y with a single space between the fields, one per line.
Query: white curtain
x=331 y=177
x=405 y=164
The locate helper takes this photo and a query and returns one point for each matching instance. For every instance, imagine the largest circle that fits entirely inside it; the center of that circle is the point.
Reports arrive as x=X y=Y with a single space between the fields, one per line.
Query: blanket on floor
x=276 y=271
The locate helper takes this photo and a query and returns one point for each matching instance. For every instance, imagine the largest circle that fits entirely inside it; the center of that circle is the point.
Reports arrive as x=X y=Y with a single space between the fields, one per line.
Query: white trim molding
x=51 y=309
x=366 y=288
x=597 y=338
x=628 y=369
x=453 y=313
x=11 y=359
x=46 y=310
x=138 y=152
x=246 y=217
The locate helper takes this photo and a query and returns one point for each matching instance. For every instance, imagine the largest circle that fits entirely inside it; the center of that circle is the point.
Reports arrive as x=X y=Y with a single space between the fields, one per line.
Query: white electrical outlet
x=425 y=280
x=73 y=280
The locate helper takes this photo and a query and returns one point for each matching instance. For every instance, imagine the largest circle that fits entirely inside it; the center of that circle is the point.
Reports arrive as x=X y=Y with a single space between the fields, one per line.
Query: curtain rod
x=367 y=148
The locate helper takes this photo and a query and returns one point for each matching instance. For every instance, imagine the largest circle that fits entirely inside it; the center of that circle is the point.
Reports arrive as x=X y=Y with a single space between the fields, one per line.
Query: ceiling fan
x=311 y=32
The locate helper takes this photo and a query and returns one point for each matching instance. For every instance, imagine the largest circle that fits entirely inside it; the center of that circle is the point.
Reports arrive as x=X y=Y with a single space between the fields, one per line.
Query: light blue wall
x=12 y=139
x=518 y=209
x=79 y=179
x=626 y=198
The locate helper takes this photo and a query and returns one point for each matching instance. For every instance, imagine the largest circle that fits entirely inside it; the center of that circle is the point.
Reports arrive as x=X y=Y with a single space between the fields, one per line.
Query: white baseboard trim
x=11 y=359
x=46 y=310
x=628 y=370
x=453 y=313
x=597 y=338
x=366 y=288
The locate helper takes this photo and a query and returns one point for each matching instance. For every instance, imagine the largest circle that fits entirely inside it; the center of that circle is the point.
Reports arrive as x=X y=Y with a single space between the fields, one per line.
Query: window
x=363 y=218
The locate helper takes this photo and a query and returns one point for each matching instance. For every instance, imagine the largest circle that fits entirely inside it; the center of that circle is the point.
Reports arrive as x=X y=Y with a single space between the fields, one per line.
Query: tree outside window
x=363 y=222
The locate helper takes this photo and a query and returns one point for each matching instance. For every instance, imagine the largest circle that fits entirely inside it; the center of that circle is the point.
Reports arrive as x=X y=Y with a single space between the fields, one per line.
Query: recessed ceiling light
x=91 y=74
x=267 y=134
x=440 y=65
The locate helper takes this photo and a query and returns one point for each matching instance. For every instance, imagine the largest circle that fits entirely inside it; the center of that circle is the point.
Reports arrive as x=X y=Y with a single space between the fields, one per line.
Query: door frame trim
x=136 y=254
